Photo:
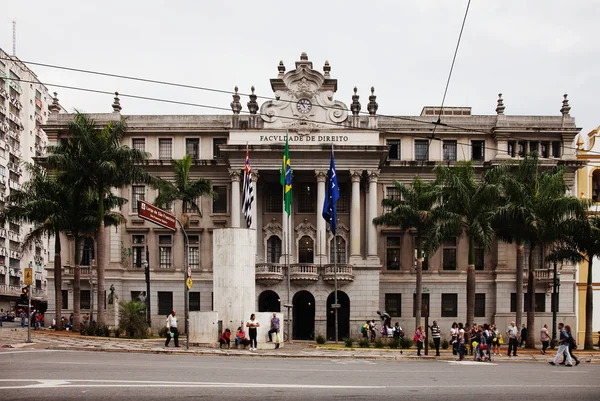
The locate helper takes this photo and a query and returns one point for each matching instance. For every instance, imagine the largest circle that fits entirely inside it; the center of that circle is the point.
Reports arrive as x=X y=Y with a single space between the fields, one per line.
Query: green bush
x=132 y=318
x=395 y=343
x=406 y=342
x=364 y=343
x=348 y=342
x=431 y=344
x=445 y=344
x=321 y=339
x=162 y=332
x=117 y=332
x=379 y=343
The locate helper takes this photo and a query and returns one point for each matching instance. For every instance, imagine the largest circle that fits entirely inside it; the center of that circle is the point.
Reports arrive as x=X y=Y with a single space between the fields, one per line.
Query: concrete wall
x=204 y=328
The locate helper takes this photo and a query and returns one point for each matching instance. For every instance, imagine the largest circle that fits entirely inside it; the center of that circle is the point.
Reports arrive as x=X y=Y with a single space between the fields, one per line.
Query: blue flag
x=332 y=194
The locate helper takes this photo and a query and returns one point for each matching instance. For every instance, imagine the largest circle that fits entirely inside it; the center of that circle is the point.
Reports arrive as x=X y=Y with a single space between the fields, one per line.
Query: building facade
x=23 y=110
x=376 y=269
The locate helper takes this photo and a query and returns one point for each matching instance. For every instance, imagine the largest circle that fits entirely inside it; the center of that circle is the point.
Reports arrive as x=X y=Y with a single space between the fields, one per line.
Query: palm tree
x=43 y=202
x=415 y=209
x=469 y=205
x=95 y=158
x=183 y=188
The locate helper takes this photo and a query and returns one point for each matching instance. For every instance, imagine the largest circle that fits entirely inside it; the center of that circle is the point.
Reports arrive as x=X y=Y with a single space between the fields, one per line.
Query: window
x=165 y=302
x=392 y=253
x=392 y=193
x=556 y=149
x=449 y=254
x=273 y=249
x=165 y=148
x=84 y=299
x=449 y=305
x=220 y=199
x=393 y=304
x=424 y=304
x=188 y=208
x=544 y=150
x=538 y=258
x=65 y=299
x=511 y=148
x=87 y=253
x=307 y=198
x=534 y=147
x=478 y=150
x=138 y=193
x=194 y=252
x=165 y=251
x=449 y=148
x=479 y=257
x=192 y=147
x=425 y=264
x=340 y=250
x=540 y=302
x=194 y=301
x=138 y=296
x=273 y=198
x=421 y=149
x=522 y=148
x=139 y=144
x=138 y=246
x=394 y=152
x=343 y=203
x=216 y=143
x=306 y=250
x=479 y=305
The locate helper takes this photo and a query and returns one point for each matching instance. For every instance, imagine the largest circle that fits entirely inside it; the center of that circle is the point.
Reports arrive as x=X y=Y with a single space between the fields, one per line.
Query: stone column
x=254 y=178
x=355 y=216
x=371 y=214
x=236 y=206
x=321 y=247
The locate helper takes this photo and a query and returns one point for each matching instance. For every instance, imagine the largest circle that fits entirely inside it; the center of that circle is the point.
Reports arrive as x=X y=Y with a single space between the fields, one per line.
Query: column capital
x=254 y=175
x=235 y=175
x=355 y=175
x=321 y=175
x=373 y=175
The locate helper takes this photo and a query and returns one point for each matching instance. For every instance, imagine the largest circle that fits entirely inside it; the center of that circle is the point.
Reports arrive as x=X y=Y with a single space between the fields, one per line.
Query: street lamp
x=555 y=298
x=146 y=265
x=91 y=279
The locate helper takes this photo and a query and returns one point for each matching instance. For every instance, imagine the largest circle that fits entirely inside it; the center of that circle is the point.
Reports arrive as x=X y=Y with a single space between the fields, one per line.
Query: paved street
x=75 y=375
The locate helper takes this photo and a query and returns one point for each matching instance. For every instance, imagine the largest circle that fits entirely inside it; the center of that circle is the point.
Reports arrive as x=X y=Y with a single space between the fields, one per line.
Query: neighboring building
x=23 y=111
x=588 y=185
x=377 y=264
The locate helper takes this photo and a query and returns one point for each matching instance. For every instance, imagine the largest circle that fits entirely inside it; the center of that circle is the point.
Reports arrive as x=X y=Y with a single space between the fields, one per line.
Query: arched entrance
x=268 y=301
x=343 y=316
x=303 y=313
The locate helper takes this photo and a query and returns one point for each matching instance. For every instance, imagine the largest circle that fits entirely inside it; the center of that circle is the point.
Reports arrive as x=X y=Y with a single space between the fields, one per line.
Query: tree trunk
x=589 y=308
x=76 y=288
x=100 y=261
x=519 y=289
x=530 y=340
x=57 y=281
x=419 y=285
x=471 y=284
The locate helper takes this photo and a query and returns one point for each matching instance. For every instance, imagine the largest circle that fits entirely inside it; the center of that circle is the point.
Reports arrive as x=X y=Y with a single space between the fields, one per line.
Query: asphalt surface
x=36 y=374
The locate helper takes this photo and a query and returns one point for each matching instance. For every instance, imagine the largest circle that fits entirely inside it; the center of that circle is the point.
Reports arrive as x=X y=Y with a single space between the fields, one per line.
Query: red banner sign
x=149 y=212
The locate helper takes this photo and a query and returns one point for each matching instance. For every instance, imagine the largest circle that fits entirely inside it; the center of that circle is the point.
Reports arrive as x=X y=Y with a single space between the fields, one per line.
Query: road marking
x=472 y=363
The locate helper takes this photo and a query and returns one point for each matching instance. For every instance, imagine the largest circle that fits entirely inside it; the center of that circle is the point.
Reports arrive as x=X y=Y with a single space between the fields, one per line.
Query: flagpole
x=336 y=286
x=289 y=277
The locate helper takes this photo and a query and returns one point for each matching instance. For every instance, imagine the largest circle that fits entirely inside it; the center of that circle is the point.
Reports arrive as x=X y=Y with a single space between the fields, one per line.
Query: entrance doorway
x=304 y=316
x=343 y=316
x=268 y=301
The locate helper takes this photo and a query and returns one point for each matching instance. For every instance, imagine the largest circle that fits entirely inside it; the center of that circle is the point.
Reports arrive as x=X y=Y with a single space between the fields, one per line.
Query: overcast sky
x=531 y=51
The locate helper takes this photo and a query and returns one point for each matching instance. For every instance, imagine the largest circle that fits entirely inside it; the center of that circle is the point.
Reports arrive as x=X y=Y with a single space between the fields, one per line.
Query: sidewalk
x=49 y=339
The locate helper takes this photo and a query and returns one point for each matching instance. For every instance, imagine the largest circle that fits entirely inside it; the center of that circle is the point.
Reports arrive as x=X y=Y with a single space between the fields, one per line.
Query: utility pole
x=29 y=312
x=147 y=272
x=555 y=290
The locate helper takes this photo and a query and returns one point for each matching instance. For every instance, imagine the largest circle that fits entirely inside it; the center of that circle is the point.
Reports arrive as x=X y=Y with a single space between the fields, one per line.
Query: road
x=75 y=375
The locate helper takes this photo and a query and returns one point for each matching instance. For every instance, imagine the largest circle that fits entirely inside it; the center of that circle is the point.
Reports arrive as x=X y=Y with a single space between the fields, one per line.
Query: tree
x=43 y=202
x=581 y=242
x=416 y=208
x=94 y=157
x=132 y=319
x=469 y=205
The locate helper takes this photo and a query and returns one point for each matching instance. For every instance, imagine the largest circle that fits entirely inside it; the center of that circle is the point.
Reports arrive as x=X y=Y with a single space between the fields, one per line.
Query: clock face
x=304 y=106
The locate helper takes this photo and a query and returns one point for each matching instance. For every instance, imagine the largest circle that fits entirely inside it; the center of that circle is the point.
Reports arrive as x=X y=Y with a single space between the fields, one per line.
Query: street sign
x=336 y=306
x=149 y=212
x=28 y=276
x=188 y=283
x=189 y=271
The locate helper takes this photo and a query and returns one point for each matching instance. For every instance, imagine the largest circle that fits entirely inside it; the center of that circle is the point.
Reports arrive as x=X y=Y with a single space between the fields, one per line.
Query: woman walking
x=454 y=338
x=572 y=346
x=419 y=338
x=252 y=325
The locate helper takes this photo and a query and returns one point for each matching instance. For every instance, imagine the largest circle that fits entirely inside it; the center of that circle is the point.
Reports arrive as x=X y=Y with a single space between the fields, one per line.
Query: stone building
x=377 y=264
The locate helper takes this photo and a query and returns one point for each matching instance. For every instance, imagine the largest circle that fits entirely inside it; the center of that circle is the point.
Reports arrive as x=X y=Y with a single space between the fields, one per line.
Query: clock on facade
x=304 y=106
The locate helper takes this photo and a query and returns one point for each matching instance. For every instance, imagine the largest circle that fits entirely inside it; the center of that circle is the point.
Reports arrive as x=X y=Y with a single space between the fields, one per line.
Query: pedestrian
x=563 y=347
x=462 y=349
x=274 y=328
x=373 y=330
x=240 y=337
x=252 y=325
x=545 y=337
x=489 y=336
x=225 y=339
x=523 y=335
x=419 y=338
x=572 y=346
x=364 y=329
x=435 y=334
x=512 y=333
x=22 y=316
x=454 y=338
x=172 y=331
x=397 y=331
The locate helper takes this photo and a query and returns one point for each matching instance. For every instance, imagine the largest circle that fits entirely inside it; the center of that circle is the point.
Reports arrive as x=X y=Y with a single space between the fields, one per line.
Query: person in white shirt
x=252 y=325
x=545 y=338
x=172 y=329
x=513 y=338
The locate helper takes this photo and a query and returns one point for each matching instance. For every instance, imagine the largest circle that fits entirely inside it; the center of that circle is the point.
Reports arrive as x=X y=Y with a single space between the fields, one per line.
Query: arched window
x=306 y=250
x=273 y=249
x=340 y=250
x=87 y=251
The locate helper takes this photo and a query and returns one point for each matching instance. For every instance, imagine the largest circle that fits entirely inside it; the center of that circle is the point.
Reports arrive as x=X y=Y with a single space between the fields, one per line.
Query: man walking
x=172 y=329
x=274 y=328
x=545 y=338
x=512 y=333
x=435 y=334
x=563 y=347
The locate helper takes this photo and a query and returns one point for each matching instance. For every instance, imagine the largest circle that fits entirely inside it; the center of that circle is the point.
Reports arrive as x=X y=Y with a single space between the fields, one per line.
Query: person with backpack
x=364 y=330
x=397 y=331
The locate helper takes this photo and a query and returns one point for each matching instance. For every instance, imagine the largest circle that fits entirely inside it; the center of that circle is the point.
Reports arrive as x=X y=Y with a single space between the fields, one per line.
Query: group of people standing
x=252 y=324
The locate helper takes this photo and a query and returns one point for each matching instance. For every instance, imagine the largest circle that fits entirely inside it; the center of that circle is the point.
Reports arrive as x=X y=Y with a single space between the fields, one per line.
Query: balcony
x=14 y=254
x=15 y=86
x=38 y=103
x=344 y=273
x=2 y=109
x=14 y=236
x=38 y=259
x=304 y=272
x=12 y=184
x=13 y=290
x=3 y=127
x=3 y=232
x=541 y=275
x=269 y=273
x=38 y=292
